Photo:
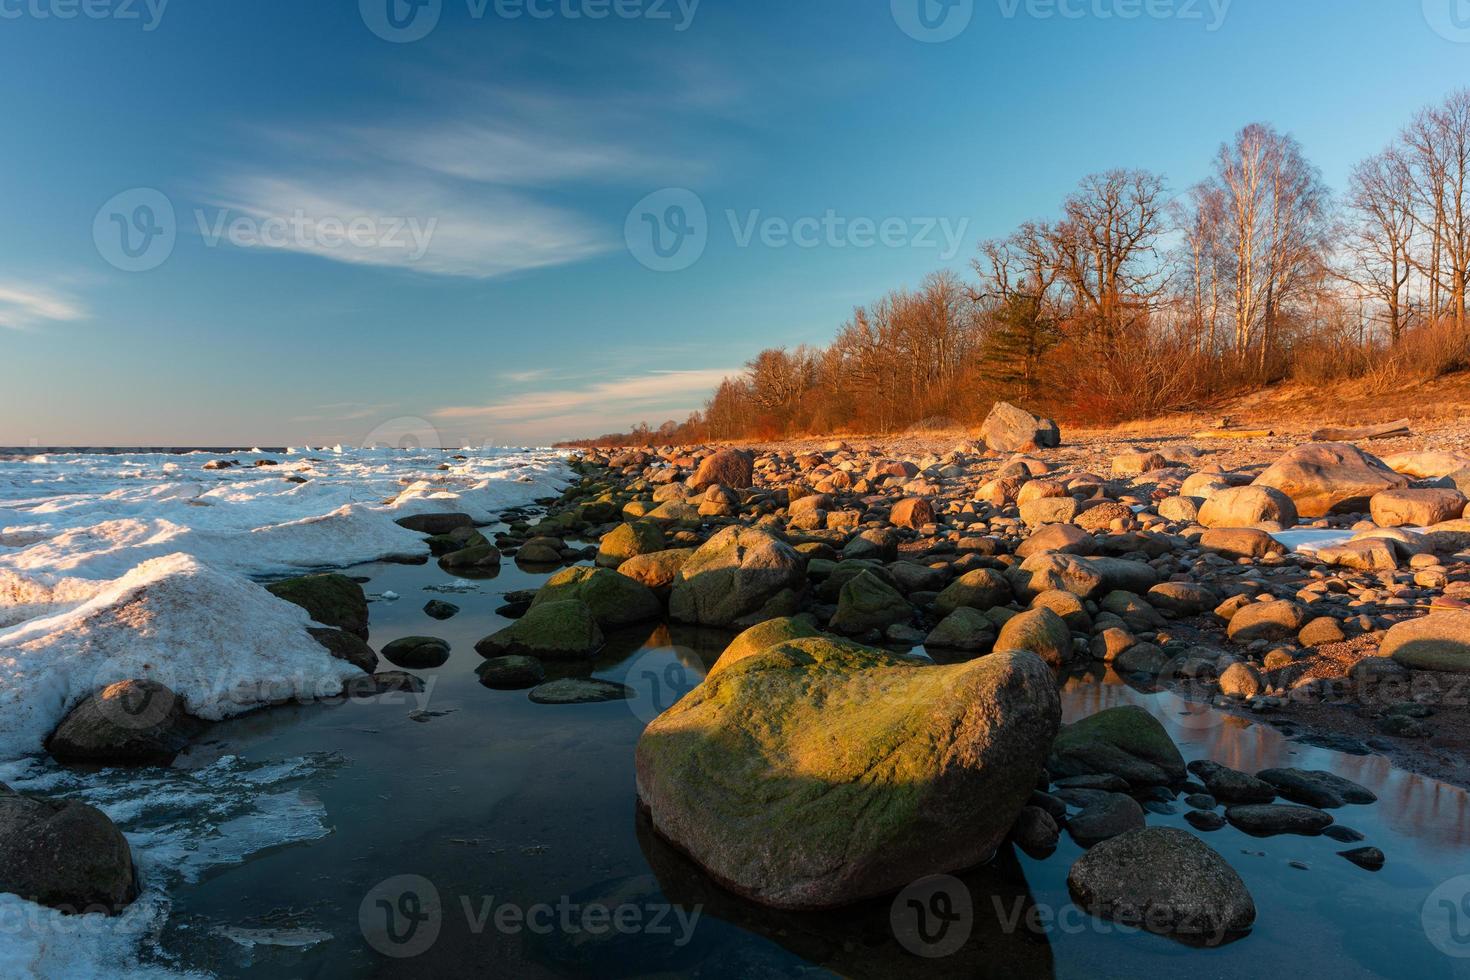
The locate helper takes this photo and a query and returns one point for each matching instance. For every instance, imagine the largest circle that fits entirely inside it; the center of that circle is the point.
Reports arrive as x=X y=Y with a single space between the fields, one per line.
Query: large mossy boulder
x=565 y=630
x=63 y=854
x=332 y=600
x=615 y=600
x=629 y=541
x=1125 y=741
x=819 y=772
x=1165 y=880
x=739 y=577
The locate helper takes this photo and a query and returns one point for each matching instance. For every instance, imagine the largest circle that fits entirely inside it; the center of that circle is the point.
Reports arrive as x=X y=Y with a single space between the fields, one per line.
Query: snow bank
x=221 y=642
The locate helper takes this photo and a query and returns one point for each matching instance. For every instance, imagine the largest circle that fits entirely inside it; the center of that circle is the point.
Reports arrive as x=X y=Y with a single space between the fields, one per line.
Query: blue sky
x=496 y=289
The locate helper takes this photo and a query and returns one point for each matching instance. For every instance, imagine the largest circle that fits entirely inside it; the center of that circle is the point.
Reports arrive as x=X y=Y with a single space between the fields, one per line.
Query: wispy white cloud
x=345 y=412
x=23 y=305
x=610 y=399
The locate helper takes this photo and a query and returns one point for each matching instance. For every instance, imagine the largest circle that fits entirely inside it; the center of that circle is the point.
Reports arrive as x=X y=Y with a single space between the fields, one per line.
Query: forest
x=1134 y=300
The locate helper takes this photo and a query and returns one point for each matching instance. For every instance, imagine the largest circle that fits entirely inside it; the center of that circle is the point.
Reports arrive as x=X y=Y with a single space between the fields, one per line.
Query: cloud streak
x=655 y=390
x=23 y=306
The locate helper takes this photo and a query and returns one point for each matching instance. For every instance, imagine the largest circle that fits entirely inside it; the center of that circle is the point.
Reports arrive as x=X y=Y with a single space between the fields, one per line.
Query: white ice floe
x=1310 y=540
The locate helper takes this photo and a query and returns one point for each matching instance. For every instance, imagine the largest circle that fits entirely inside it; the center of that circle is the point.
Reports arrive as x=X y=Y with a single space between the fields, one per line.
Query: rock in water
x=1008 y=429
x=615 y=600
x=64 y=855
x=820 y=772
x=738 y=578
x=332 y=600
x=1166 y=880
x=867 y=603
x=1126 y=741
x=127 y=723
x=564 y=630
x=1330 y=477
x=1439 y=641
x=763 y=636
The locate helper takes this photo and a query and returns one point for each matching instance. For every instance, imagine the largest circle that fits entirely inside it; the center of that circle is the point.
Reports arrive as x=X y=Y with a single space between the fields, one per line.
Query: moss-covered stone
x=563 y=630
x=332 y=600
x=965 y=629
x=1042 y=632
x=738 y=578
x=982 y=589
x=819 y=772
x=615 y=600
x=1126 y=741
x=763 y=636
x=869 y=603
x=629 y=541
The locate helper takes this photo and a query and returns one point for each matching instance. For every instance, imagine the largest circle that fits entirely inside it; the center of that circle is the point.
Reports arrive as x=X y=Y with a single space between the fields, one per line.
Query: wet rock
x=1369 y=858
x=1035 y=832
x=820 y=773
x=1231 y=785
x=1268 y=819
x=580 y=690
x=64 y=855
x=1324 y=790
x=561 y=630
x=440 y=610
x=1126 y=741
x=867 y=603
x=615 y=599
x=480 y=557
x=1205 y=820
x=435 y=524
x=133 y=723
x=332 y=600
x=1166 y=880
x=513 y=673
x=1106 y=817
x=417 y=652
x=964 y=629
x=346 y=646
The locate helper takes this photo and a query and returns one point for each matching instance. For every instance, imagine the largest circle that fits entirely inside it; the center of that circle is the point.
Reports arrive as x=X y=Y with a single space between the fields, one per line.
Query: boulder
x=1439 y=641
x=417 y=652
x=763 y=636
x=1182 y=598
x=136 y=722
x=1324 y=478
x=1314 y=787
x=1008 y=429
x=512 y=673
x=629 y=541
x=1040 y=631
x=965 y=629
x=740 y=576
x=580 y=690
x=1271 y=621
x=659 y=570
x=866 y=603
x=475 y=558
x=1240 y=542
x=345 y=646
x=1231 y=785
x=1050 y=510
x=1269 y=819
x=1416 y=508
x=332 y=600
x=63 y=854
x=820 y=773
x=1106 y=816
x=435 y=524
x=982 y=589
x=1125 y=741
x=1065 y=538
x=1247 y=507
x=615 y=599
x=732 y=468
x=560 y=630
x=912 y=512
x=1166 y=880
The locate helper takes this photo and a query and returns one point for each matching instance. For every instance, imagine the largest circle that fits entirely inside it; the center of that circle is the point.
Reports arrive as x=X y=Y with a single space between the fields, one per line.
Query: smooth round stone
x=417 y=652
x=576 y=690
x=511 y=673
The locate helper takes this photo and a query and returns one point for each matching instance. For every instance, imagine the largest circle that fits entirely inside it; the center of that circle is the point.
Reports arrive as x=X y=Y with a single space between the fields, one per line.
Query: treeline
x=1133 y=301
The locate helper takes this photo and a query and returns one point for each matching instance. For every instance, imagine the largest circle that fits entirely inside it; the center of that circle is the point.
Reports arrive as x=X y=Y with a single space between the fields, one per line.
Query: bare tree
x=1379 y=243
